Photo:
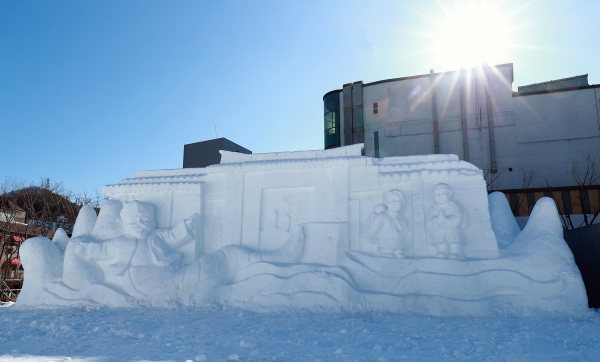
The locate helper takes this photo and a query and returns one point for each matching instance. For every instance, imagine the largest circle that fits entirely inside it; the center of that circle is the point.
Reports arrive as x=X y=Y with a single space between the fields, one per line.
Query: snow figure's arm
x=463 y=217
x=405 y=227
x=433 y=219
x=181 y=233
x=374 y=227
x=95 y=250
x=453 y=217
x=162 y=254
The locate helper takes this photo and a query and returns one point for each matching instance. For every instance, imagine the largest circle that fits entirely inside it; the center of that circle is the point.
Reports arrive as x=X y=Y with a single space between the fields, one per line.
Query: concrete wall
x=551 y=131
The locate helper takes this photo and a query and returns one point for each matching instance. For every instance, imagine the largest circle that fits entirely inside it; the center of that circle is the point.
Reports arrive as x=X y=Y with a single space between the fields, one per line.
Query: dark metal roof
x=575 y=82
x=333 y=91
x=591 y=86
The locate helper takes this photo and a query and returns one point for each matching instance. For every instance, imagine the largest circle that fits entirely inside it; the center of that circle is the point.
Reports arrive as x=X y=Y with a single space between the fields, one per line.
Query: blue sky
x=91 y=91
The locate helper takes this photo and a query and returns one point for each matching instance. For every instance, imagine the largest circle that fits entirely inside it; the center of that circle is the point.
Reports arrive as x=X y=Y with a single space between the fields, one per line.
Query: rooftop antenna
x=215 y=131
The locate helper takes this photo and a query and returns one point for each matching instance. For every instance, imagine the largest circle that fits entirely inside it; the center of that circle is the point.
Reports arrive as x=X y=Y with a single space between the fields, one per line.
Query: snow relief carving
x=142 y=263
x=445 y=221
x=387 y=228
x=327 y=228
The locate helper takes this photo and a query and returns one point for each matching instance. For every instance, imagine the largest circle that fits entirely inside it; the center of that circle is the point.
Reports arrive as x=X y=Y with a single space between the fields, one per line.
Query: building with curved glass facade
x=332 y=120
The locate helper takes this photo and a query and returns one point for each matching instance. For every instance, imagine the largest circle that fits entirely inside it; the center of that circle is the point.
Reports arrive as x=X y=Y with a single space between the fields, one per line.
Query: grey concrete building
x=206 y=153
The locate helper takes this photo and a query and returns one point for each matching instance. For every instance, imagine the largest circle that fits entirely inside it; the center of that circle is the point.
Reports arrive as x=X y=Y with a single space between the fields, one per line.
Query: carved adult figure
x=445 y=221
x=142 y=252
x=142 y=262
x=387 y=228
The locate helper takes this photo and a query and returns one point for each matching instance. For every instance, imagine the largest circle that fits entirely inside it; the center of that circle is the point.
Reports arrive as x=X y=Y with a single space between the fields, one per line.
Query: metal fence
x=585 y=245
x=8 y=293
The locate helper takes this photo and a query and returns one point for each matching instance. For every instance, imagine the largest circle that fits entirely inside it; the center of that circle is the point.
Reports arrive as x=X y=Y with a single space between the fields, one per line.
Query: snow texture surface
x=217 y=334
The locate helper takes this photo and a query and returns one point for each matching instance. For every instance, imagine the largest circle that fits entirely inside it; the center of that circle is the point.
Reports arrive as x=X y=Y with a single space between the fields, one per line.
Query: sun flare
x=470 y=36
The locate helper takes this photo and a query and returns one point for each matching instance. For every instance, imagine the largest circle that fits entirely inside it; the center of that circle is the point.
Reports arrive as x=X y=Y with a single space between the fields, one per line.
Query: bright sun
x=470 y=36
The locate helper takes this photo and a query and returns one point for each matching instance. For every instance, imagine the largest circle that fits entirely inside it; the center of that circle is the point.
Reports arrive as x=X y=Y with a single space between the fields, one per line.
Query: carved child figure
x=387 y=228
x=445 y=221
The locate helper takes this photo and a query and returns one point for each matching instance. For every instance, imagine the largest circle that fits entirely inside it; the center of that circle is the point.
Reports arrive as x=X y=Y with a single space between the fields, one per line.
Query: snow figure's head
x=442 y=194
x=394 y=200
x=138 y=219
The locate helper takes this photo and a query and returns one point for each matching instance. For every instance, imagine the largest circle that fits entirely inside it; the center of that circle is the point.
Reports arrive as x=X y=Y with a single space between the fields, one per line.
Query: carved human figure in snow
x=387 y=228
x=143 y=262
x=142 y=251
x=445 y=222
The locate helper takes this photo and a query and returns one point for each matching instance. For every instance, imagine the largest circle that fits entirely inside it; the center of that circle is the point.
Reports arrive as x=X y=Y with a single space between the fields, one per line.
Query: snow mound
x=108 y=225
x=43 y=254
x=60 y=239
x=84 y=224
x=503 y=222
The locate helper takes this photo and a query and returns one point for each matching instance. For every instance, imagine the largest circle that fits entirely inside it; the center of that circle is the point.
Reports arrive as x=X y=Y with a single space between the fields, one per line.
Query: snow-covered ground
x=222 y=334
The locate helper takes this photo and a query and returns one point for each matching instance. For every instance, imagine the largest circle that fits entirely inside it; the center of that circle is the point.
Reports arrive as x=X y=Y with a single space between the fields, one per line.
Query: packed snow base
x=217 y=334
x=329 y=229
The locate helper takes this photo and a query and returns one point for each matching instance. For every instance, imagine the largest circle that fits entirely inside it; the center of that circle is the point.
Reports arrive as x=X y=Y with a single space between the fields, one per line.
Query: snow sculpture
x=387 y=228
x=398 y=234
x=445 y=221
x=141 y=263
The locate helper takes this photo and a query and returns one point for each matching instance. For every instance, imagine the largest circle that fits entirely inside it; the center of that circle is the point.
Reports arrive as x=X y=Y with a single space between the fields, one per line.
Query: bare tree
x=565 y=217
x=493 y=180
x=49 y=206
x=586 y=177
x=95 y=199
x=527 y=177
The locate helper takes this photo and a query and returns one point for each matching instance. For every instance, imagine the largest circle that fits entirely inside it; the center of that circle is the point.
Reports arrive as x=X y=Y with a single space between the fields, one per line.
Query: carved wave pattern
x=367 y=284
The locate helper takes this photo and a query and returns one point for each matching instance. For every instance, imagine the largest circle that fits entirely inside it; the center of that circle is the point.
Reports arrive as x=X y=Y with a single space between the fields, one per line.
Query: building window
x=375 y=108
x=376 y=141
x=332 y=120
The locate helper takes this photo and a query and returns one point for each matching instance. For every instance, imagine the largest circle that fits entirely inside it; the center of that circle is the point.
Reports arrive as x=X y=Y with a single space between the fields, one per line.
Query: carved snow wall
x=256 y=200
x=416 y=178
